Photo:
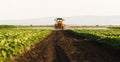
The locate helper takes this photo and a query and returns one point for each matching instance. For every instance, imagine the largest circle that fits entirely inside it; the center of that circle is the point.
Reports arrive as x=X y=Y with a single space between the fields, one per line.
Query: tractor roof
x=59 y=19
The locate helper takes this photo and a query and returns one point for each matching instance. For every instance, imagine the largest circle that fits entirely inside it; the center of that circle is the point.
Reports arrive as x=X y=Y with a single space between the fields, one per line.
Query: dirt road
x=62 y=46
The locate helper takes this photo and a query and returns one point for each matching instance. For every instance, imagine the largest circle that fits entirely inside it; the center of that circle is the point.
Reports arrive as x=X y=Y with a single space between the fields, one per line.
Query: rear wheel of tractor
x=62 y=28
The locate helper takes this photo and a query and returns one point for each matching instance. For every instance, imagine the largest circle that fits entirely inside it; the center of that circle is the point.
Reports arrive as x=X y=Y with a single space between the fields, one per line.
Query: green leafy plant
x=15 y=41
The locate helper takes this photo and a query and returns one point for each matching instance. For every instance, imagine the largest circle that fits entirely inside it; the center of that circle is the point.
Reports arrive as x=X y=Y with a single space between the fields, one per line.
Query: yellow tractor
x=59 y=23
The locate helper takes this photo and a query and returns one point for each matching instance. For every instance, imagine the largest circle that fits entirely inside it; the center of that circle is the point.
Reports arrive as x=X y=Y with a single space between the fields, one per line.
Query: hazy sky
x=35 y=9
x=26 y=9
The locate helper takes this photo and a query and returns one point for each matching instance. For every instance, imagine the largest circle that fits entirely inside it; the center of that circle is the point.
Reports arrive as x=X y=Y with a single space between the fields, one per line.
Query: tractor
x=59 y=23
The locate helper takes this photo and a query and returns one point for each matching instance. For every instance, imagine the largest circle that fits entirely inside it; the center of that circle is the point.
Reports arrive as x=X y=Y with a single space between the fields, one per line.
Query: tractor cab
x=59 y=23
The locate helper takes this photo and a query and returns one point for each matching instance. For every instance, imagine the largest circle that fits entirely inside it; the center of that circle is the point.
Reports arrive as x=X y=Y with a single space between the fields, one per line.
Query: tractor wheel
x=62 y=28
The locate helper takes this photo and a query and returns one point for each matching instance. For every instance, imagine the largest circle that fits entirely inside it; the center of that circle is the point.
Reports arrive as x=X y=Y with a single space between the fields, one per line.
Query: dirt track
x=62 y=46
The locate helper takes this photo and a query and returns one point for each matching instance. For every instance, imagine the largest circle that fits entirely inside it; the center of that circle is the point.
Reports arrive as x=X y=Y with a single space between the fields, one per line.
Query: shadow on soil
x=113 y=45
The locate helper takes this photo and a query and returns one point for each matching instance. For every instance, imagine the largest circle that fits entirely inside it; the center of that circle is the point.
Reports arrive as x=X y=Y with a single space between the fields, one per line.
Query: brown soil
x=62 y=46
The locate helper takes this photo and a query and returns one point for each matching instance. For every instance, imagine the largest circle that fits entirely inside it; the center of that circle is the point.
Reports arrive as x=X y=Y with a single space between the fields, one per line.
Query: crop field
x=14 y=41
x=108 y=37
x=48 y=45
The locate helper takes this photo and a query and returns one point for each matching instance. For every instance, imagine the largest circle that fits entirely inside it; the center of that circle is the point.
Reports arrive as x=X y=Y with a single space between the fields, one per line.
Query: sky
x=31 y=9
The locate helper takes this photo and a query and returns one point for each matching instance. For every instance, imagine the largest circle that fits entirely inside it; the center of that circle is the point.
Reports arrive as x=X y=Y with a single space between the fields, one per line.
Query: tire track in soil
x=62 y=46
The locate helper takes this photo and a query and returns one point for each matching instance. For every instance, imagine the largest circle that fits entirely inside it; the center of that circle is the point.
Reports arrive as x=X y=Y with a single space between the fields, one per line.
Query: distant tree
x=97 y=25
x=31 y=25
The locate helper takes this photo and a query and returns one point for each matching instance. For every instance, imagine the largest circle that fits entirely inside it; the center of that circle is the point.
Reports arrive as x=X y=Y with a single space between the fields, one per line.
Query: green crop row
x=114 y=27
x=108 y=37
x=15 y=41
x=6 y=26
